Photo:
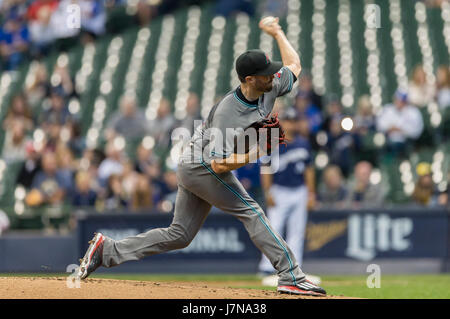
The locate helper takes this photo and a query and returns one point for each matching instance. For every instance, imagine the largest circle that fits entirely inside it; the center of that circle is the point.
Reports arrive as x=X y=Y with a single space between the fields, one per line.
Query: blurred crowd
x=57 y=167
x=34 y=28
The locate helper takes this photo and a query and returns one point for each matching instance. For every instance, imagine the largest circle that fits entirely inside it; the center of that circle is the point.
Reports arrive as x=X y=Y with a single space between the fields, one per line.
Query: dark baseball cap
x=256 y=62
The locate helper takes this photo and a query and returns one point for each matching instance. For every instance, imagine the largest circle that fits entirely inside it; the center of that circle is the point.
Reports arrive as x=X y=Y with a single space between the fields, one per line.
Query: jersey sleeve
x=222 y=138
x=283 y=81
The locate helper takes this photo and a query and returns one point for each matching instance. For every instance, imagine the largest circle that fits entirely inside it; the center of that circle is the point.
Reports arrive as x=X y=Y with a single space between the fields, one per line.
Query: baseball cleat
x=93 y=257
x=305 y=288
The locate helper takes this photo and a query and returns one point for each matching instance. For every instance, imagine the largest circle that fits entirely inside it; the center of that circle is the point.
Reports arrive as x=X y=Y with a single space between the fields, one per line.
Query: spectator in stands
x=83 y=194
x=14 y=42
x=305 y=84
x=364 y=120
x=57 y=112
x=305 y=108
x=443 y=86
x=41 y=30
x=49 y=185
x=66 y=164
x=341 y=145
x=76 y=141
x=63 y=82
x=192 y=112
x=112 y=164
x=19 y=111
x=147 y=163
x=30 y=167
x=65 y=29
x=400 y=122
x=161 y=127
x=115 y=197
x=38 y=87
x=420 y=91
x=129 y=121
x=362 y=192
x=333 y=110
x=332 y=192
x=93 y=19
x=14 y=148
x=136 y=188
x=425 y=191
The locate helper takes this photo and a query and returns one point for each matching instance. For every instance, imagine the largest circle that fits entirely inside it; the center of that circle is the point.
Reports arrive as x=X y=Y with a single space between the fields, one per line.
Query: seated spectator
x=443 y=86
x=19 y=111
x=30 y=167
x=362 y=193
x=49 y=185
x=14 y=148
x=76 y=141
x=112 y=164
x=38 y=87
x=147 y=163
x=93 y=19
x=229 y=7
x=420 y=92
x=65 y=30
x=41 y=30
x=83 y=194
x=145 y=12
x=305 y=84
x=136 y=188
x=57 y=112
x=333 y=109
x=332 y=192
x=341 y=146
x=115 y=197
x=364 y=120
x=425 y=192
x=305 y=108
x=63 y=82
x=400 y=122
x=129 y=121
x=192 y=113
x=14 y=42
x=161 y=127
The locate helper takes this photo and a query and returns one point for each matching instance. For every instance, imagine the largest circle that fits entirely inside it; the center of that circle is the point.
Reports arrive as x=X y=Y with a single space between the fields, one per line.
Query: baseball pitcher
x=205 y=177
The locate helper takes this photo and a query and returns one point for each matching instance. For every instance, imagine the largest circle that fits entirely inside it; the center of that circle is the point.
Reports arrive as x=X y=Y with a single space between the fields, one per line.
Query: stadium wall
x=337 y=242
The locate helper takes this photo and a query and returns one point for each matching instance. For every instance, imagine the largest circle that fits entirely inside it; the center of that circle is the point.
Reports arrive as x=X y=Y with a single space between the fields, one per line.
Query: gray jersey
x=230 y=116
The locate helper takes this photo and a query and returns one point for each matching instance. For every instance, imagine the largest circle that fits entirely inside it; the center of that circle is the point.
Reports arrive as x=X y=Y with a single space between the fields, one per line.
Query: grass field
x=392 y=286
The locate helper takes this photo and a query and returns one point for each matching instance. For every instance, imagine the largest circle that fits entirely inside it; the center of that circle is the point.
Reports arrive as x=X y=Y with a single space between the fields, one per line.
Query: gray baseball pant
x=199 y=187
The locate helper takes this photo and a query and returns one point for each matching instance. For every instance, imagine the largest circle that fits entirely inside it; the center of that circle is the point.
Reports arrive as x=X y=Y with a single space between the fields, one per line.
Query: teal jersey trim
x=242 y=102
x=259 y=216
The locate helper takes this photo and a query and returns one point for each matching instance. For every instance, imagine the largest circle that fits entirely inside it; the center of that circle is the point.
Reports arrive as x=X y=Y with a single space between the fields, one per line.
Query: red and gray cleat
x=93 y=257
x=305 y=288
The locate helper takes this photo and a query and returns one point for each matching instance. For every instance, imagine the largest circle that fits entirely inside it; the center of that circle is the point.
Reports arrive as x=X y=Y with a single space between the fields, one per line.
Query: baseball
x=268 y=20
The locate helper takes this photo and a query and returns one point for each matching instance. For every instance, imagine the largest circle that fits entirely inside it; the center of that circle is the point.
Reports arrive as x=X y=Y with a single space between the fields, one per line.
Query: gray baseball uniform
x=199 y=187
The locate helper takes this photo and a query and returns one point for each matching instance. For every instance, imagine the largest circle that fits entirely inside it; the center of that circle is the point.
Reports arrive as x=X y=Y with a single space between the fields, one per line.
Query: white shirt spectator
x=407 y=119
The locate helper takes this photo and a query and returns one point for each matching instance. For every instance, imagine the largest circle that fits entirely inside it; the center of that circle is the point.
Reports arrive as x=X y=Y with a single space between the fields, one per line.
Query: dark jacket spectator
x=128 y=121
x=83 y=195
x=362 y=193
x=14 y=42
x=332 y=192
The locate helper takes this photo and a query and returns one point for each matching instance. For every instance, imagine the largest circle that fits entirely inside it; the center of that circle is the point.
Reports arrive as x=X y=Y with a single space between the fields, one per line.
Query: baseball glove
x=266 y=127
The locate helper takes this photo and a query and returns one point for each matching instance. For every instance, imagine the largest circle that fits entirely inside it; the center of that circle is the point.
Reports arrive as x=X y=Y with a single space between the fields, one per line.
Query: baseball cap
x=256 y=62
x=402 y=95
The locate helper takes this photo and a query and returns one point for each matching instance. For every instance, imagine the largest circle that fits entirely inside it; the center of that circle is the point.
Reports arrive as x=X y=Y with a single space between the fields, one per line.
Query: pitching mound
x=56 y=288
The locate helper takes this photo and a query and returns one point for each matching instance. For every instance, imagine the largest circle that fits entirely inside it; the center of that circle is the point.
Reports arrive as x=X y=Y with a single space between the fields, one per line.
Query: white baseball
x=268 y=20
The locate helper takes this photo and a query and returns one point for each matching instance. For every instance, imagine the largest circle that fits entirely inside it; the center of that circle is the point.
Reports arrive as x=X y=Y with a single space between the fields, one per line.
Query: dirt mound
x=57 y=288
